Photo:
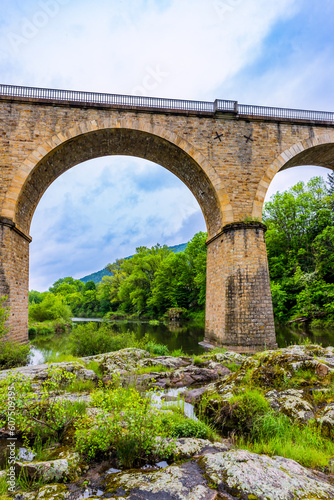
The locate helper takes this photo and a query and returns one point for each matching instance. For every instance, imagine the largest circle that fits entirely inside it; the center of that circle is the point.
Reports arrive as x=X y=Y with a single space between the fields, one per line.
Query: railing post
x=236 y=107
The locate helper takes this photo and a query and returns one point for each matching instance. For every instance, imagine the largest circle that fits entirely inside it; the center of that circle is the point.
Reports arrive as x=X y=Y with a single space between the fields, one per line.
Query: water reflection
x=186 y=337
x=286 y=336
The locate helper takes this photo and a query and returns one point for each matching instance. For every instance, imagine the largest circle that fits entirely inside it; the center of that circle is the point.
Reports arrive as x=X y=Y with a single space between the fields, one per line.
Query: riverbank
x=114 y=424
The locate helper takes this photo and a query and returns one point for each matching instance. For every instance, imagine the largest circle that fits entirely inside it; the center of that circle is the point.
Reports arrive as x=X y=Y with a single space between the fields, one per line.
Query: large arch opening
x=85 y=142
x=117 y=141
x=317 y=151
x=102 y=210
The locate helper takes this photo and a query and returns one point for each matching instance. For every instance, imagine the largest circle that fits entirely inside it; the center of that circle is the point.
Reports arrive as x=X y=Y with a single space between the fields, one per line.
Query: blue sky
x=277 y=53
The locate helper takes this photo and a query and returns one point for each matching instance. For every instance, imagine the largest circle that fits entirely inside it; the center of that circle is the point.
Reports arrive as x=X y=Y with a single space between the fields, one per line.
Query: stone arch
x=123 y=136
x=316 y=150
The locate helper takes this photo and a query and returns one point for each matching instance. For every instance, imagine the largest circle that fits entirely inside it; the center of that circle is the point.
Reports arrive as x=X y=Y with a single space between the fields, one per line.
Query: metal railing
x=286 y=113
x=128 y=101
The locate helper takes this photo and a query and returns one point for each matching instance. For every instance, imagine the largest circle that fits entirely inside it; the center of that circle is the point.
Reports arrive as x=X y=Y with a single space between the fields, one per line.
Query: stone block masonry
x=238 y=283
x=226 y=160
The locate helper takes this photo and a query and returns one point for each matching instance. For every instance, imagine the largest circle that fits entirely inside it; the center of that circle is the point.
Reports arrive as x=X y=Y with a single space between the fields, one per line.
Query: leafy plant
x=127 y=426
x=156 y=349
x=91 y=339
x=12 y=353
x=177 y=425
x=44 y=414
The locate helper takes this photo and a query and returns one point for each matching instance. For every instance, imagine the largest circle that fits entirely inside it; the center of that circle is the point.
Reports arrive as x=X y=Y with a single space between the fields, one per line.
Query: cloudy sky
x=277 y=53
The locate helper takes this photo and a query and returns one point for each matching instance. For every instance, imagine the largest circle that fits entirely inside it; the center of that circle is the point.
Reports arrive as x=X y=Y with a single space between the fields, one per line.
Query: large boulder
x=293 y=403
x=242 y=475
x=184 y=482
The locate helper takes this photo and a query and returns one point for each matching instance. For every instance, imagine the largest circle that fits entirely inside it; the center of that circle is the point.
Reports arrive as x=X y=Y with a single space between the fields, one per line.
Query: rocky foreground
x=296 y=382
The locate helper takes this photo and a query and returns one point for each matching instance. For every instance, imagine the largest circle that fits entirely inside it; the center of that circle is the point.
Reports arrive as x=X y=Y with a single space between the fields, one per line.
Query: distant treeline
x=147 y=284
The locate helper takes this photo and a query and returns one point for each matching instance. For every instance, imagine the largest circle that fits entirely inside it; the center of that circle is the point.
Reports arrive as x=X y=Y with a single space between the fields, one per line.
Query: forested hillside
x=98 y=275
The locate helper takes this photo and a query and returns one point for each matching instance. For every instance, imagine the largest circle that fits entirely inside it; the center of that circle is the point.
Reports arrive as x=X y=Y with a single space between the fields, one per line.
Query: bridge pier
x=14 y=277
x=239 y=313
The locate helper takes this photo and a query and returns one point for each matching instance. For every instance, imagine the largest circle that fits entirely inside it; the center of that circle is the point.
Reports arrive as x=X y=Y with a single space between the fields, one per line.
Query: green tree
x=52 y=307
x=300 y=249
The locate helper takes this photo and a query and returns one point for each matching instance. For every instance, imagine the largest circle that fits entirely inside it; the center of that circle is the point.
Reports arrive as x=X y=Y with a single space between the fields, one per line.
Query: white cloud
x=115 y=46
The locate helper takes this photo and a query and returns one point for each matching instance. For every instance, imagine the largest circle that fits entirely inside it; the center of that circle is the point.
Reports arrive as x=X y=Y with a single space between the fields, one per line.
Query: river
x=174 y=336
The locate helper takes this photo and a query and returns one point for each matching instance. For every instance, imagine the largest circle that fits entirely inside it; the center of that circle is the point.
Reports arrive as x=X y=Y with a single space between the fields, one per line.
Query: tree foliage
x=300 y=244
x=148 y=283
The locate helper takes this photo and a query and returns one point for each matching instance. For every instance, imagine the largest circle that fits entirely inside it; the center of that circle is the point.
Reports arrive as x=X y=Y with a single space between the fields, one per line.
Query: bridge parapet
x=157 y=104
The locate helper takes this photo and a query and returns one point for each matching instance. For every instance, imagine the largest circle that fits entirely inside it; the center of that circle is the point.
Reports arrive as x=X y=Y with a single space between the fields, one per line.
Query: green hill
x=98 y=275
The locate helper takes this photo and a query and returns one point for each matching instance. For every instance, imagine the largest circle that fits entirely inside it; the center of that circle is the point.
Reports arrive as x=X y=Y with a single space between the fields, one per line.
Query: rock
x=292 y=403
x=196 y=447
x=191 y=375
x=184 y=482
x=50 y=471
x=229 y=357
x=63 y=466
x=167 y=361
x=47 y=492
x=326 y=419
x=322 y=370
x=193 y=395
x=240 y=474
x=124 y=360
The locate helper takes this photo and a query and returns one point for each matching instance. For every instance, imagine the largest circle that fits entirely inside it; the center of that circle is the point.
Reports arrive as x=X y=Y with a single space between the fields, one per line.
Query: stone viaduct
x=226 y=153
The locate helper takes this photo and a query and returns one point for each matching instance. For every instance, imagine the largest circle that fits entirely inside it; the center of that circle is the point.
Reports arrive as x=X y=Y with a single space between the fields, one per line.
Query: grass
x=197 y=360
x=95 y=367
x=218 y=350
x=81 y=386
x=156 y=349
x=323 y=396
x=233 y=367
x=176 y=353
x=3 y=486
x=26 y=483
x=177 y=425
x=61 y=358
x=301 y=375
x=151 y=369
x=275 y=434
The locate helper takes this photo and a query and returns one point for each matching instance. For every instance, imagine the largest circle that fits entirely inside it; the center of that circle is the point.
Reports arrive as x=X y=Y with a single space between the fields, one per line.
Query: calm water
x=174 y=337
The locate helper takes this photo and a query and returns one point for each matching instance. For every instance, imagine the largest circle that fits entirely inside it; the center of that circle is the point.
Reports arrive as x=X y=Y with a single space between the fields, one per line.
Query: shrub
x=91 y=339
x=13 y=354
x=157 y=349
x=52 y=307
x=32 y=331
x=127 y=426
x=42 y=414
x=177 y=425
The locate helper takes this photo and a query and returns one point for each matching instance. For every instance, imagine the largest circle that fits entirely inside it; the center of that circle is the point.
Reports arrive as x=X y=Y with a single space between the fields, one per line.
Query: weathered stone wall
x=239 y=312
x=227 y=161
x=14 y=280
